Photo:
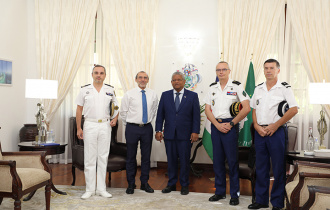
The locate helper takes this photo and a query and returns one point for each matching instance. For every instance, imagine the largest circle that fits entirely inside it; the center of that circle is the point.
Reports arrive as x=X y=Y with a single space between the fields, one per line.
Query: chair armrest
x=316 y=197
x=310 y=167
x=9 y=177
x=28 y=159
x=300 y=193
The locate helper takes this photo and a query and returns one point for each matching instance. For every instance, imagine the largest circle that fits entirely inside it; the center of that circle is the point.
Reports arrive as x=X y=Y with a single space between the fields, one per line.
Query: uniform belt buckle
x=99 y=121
x=141 y=125
x=219 y=120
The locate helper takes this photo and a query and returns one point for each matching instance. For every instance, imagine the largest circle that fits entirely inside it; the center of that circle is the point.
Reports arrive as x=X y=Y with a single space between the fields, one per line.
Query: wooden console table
x=297 y=155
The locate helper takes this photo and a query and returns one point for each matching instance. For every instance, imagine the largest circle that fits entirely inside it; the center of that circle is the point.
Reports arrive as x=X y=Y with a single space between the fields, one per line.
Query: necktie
x=177 y=101
x=144 y=107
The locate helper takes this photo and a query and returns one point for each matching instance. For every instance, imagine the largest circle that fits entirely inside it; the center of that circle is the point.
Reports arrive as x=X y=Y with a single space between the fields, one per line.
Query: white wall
x=17 y=29
x=197 y=17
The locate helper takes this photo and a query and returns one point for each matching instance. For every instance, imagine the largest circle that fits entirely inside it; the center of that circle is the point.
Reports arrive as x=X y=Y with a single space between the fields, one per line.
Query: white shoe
x=104 y=194
x=87 y=195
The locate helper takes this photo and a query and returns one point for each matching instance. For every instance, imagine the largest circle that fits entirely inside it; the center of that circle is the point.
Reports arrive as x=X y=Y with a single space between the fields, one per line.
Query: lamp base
x=322 y=147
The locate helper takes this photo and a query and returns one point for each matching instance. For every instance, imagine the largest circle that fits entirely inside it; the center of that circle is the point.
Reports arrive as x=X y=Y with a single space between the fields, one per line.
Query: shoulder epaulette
x=236 y=82
x=260 y=84
x=214 y=83
x=85 y=85
x=285 y=84
x=109 y=85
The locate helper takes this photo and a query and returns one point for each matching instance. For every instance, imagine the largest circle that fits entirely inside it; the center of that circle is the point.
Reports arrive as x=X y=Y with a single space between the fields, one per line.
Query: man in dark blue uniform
x=224 y=130
x=270 y=135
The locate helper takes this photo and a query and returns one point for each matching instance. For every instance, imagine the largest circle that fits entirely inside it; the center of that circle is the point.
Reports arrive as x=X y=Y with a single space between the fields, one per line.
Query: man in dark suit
x=180 y=110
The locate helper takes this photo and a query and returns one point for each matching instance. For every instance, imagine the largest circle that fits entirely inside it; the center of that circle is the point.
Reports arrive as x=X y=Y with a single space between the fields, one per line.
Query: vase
x=28 y=132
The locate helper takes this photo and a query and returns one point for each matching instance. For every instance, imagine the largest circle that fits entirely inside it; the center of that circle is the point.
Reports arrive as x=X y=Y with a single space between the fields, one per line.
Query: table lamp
x=319 y=94
x=42 y=89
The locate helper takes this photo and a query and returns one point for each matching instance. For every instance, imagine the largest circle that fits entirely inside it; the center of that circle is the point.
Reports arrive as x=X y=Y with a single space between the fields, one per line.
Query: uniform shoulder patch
x=236 y=82
x=260 y=84
x=285 y=84
x=214 y=83
x=85 y=85
x=109 y=85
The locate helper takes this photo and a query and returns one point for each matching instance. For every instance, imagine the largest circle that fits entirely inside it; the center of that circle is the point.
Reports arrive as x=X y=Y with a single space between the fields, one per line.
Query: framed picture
x=6 y=72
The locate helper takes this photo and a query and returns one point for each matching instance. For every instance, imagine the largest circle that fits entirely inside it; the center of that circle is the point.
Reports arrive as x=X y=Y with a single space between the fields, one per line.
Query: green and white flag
x=245 y=138
x=207 y=141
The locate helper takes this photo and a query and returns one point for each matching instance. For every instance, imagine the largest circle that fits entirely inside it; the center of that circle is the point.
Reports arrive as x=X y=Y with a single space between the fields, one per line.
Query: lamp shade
x=40 y=88
x=319 y=93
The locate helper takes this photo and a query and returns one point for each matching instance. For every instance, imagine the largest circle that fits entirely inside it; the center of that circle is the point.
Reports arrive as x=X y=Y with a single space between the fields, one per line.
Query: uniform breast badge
x=213 y=94
x=109 y=94
x=257 y=102
x=213 y=102
x=232 y=93
x=244 y=93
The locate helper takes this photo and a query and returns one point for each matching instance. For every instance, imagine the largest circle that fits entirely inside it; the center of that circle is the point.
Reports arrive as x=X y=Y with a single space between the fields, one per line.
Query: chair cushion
x=32 y=176
x=289 y=188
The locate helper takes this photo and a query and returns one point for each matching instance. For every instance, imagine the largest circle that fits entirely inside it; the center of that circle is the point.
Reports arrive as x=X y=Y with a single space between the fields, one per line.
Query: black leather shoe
x=185 y=190
x=146 y=187
x=276 y=208
x=217 y=197
x=234 y=201
x=130 y=188
x=257 y=206
x=168 y=189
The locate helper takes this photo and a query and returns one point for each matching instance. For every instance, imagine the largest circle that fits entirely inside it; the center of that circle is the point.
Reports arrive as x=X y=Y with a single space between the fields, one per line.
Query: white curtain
x=131 y=30
x=311 y=25
x=63 y=28
x=245 y=28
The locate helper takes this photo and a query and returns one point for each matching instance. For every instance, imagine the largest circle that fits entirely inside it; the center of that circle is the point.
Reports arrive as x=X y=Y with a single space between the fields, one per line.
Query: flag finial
x=221 y=57
x=251 y=56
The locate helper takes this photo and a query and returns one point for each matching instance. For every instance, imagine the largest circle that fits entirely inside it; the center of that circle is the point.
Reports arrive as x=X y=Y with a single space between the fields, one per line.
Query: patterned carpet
x=120 y=200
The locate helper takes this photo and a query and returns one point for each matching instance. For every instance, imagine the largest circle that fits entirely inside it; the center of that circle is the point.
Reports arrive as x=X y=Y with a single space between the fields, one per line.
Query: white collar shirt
x=266 y=102
x=96 y=105
x=131 y=109
x=180 y=95
x=221 y=100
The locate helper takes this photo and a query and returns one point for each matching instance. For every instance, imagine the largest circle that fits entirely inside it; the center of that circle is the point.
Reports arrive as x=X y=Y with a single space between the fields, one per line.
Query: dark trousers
x=178 y=149
x=225 y=145
x=270 y=147
x=134 y=134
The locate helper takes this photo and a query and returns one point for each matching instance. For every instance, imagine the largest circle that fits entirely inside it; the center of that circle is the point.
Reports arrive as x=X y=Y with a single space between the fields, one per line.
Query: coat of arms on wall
x=191 y=75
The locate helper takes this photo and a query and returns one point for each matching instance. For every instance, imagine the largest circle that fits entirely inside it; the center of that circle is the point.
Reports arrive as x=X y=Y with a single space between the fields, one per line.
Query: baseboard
x=199 y=166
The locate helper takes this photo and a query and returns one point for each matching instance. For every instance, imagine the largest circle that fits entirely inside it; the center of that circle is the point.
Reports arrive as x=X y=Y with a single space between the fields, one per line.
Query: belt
x=264 y=126
x=140 y=125
x=97 y=120
x=221 y=120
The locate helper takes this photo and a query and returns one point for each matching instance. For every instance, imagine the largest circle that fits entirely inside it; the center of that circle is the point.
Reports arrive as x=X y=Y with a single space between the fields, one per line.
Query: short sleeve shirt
x=96 y=104
x=221 y=100
x=266 y=102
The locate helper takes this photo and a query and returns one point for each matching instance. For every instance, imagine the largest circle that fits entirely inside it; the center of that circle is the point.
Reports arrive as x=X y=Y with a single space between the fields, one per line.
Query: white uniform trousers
x=97 y=138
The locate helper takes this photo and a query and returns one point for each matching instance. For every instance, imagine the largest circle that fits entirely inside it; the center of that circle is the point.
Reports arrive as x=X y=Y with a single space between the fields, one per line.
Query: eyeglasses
x=222 y=70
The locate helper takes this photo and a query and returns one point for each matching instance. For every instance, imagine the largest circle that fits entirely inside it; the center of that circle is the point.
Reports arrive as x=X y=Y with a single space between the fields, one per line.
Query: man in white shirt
x=138 y=109
x=270 y=135
x=95 y=101
x=224 y=130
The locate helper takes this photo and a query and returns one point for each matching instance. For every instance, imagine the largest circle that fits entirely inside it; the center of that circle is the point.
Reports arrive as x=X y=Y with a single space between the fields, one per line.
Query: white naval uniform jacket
x=96 y=104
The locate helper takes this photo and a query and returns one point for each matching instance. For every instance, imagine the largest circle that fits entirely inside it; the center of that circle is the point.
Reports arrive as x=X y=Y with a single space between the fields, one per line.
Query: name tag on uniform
x=109 y=94
x=232 y=93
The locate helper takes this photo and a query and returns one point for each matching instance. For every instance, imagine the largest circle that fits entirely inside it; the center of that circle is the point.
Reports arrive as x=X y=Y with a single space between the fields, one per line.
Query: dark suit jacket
x=185 y=121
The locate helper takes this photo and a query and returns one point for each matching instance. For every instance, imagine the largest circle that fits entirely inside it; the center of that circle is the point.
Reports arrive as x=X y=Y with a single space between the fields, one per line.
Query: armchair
x=319 y=198
x=117 y=154
x=22 y=173
x=304 y=175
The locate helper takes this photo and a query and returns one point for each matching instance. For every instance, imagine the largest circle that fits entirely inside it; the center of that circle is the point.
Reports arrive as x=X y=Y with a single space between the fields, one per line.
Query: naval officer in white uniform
x=94 y=101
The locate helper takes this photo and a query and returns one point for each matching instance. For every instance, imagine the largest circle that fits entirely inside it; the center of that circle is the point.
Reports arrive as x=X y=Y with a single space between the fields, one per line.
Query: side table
x=50 y=150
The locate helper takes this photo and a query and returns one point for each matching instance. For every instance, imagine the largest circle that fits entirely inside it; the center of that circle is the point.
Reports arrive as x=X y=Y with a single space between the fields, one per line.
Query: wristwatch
x=232 y=123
